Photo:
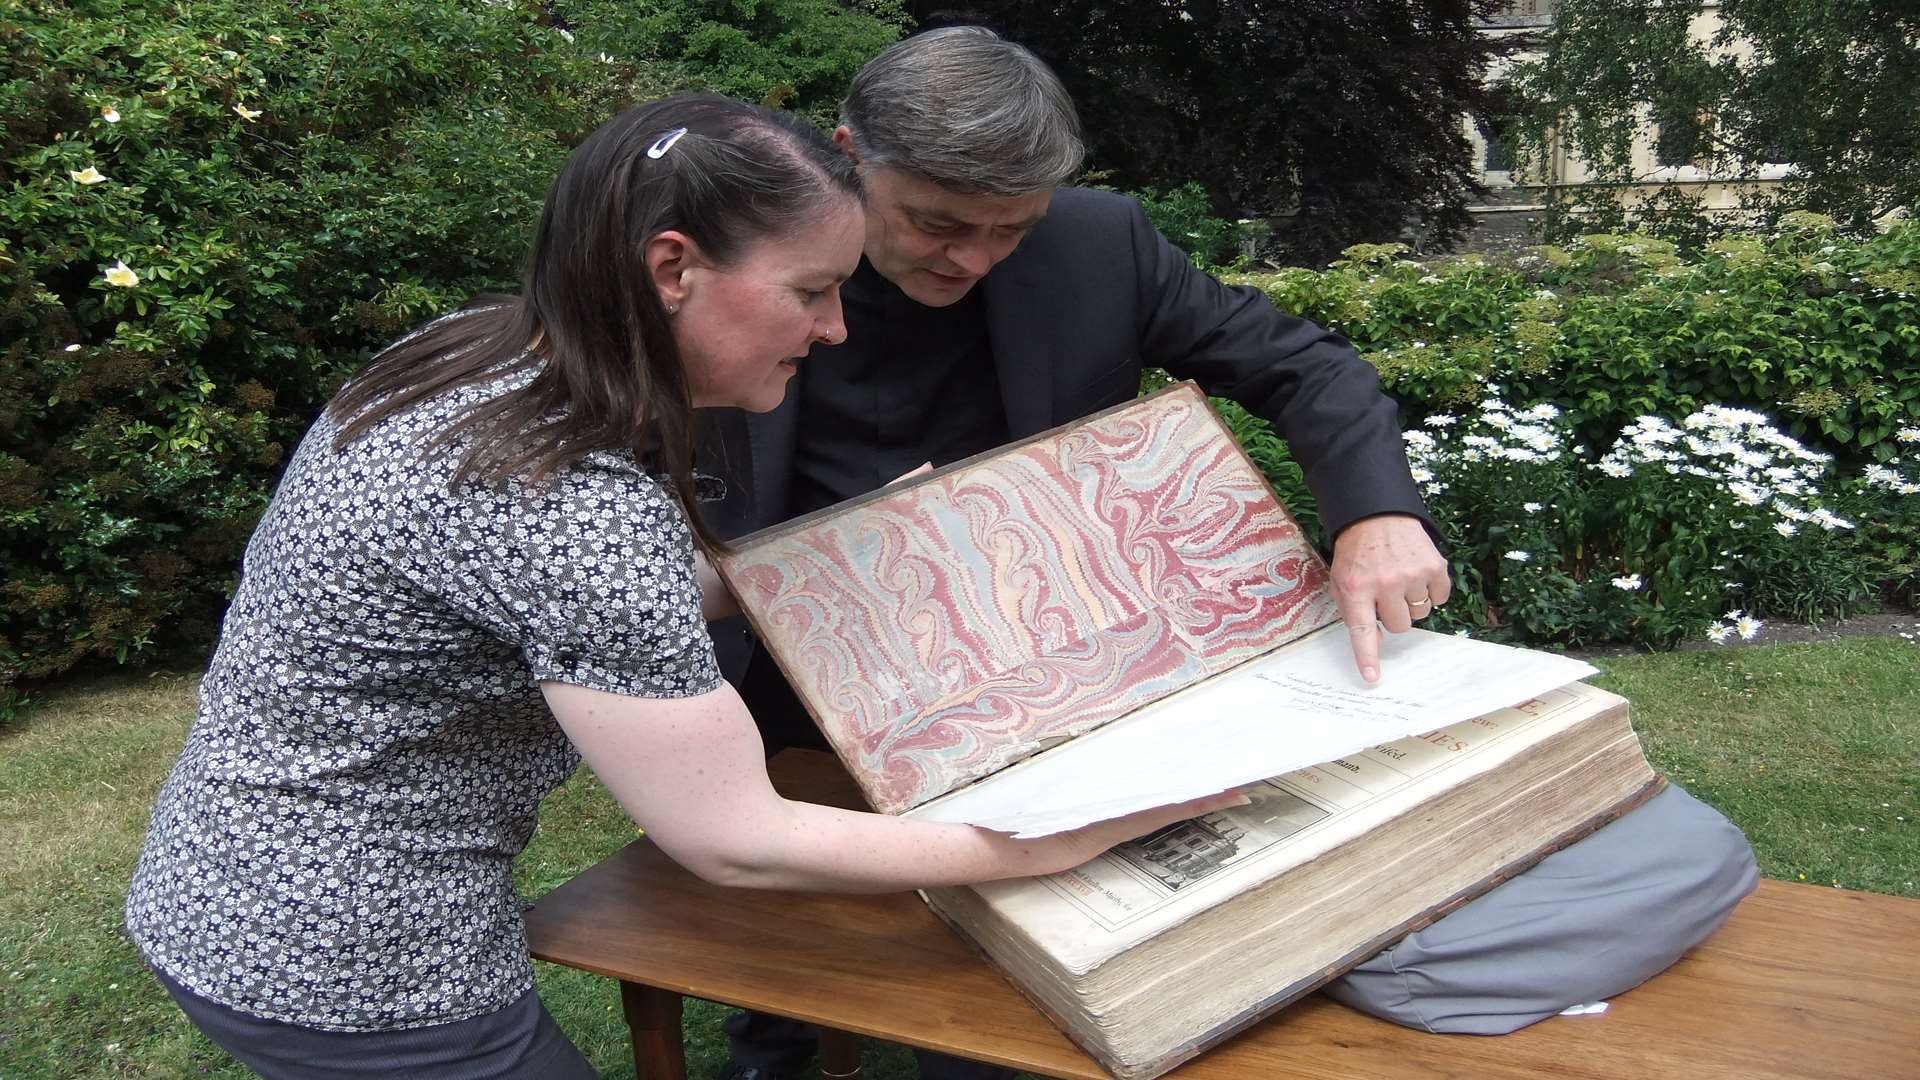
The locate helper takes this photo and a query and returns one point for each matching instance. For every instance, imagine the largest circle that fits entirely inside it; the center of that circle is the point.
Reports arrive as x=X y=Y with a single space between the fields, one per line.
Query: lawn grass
x=1813 y=749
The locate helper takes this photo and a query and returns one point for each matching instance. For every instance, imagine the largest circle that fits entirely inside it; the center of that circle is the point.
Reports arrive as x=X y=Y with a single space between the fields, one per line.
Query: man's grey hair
x=967 y=109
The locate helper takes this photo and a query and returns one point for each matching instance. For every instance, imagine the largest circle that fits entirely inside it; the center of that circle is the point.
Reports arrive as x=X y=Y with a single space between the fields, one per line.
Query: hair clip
x=665 y=143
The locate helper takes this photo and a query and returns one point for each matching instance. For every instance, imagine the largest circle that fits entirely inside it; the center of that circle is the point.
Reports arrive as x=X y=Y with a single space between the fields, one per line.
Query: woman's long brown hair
x=608 y=375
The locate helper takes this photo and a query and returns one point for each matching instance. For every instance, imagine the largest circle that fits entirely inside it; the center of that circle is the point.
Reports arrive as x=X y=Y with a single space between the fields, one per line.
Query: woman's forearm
x=692 y=772
x=819 y=848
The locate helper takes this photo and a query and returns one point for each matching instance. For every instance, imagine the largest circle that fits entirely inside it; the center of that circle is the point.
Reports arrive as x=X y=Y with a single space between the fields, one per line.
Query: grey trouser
x=1590 y=921
x=519 y=1041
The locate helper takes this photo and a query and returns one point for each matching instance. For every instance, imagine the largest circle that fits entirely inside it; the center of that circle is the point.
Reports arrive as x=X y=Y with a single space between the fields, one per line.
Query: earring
x=673 y=309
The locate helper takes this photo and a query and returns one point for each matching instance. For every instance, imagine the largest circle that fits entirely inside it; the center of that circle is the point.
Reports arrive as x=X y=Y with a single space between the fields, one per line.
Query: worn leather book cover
x=948 y=626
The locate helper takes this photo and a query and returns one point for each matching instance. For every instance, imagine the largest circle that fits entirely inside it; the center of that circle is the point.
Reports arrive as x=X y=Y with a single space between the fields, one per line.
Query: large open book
x=1120 y=614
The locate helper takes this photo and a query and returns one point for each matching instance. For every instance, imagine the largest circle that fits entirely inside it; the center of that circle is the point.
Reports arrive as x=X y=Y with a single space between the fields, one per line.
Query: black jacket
x=1092 y=295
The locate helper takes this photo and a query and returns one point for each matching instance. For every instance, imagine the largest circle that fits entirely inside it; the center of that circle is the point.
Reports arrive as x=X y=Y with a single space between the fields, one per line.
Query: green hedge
x=1653 y=393
x=1819 y=330
x=211 y=213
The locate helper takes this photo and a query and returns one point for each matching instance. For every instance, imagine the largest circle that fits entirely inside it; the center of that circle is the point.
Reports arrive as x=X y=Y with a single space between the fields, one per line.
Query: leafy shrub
x=1885 y=500
x=1185 y=216
x=210 y=213
x=1815 y=328
x=1674 y=529
x=1727 y=506
x=1621 y=342
x=1504 y=490
x=791 y=54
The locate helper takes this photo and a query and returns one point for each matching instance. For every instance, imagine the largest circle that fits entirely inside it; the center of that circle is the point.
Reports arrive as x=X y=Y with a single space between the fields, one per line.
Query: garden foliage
x=1715 y=520
x=1184 y=215
x=211 y=213
x=1621 y=444
x=1818 y=329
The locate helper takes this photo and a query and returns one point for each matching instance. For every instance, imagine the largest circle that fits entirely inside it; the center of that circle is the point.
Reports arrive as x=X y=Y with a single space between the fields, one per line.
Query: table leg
x=653 y=1020
x=839 y=1054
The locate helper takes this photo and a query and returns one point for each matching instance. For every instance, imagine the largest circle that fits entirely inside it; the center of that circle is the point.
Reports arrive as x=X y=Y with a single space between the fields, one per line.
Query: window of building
x=1499 y=151
x=1522 y=13
x=1684 y=139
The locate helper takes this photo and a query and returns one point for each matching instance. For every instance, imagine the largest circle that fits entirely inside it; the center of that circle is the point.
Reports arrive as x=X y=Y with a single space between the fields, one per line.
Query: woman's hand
x=1090 y=841
x=692 y=772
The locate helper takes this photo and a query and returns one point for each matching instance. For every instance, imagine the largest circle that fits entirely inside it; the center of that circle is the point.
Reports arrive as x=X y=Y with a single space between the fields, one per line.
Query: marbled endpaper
x=945 y=629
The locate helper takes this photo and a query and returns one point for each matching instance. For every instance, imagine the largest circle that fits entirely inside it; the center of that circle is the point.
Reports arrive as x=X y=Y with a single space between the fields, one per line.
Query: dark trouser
x=519 y=1042
x=775 y=1043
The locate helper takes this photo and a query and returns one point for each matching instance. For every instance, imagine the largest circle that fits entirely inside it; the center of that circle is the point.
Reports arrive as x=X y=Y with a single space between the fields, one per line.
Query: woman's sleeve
x=590 y=577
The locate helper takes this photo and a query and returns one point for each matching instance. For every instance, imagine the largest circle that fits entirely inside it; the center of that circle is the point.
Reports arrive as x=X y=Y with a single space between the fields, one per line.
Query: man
x=993 y=304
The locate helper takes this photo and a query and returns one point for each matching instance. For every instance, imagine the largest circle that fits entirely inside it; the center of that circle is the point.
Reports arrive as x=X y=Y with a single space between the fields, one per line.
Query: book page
x=1138 y=889
x=1298 y=706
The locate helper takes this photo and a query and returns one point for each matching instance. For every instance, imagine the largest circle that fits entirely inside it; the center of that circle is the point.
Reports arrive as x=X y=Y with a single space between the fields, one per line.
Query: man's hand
x=1385 y=570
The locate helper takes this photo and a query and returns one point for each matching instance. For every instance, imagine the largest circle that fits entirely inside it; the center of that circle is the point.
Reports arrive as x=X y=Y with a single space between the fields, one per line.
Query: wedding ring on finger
x=1423 y=602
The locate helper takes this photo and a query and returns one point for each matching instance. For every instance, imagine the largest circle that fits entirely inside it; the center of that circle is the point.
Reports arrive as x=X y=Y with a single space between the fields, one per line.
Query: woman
x=480 y=567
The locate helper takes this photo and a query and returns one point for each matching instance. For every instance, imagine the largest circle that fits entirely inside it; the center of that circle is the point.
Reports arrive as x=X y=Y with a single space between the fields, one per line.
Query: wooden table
x=1802 y=982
